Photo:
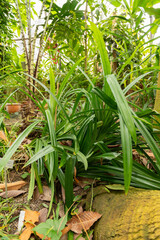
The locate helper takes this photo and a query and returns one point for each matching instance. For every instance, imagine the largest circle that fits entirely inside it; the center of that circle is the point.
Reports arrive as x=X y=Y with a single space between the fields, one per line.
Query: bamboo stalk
x=35 y=37
x=86 y=48
x=28 y=13
x=22 y=33
x=42 y=41
x=40 y=54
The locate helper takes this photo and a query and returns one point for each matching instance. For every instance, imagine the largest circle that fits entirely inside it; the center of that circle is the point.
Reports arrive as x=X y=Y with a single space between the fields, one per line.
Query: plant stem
x=86 y=50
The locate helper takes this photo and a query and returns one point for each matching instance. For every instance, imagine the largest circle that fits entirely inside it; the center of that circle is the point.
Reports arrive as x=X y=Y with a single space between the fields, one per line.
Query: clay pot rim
x=11 y=104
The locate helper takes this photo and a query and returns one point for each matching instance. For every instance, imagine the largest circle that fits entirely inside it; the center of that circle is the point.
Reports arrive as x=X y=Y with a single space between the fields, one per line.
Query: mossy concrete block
x=132 y=217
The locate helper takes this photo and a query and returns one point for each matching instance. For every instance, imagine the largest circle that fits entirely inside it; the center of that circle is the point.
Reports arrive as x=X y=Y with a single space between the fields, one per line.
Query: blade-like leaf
x=127 y=154
x=122 y=105
x=134 y=82
x=65 y=81
x=108 y=155
x=109 y=101
x=115 y=3
x=52 y=89
x=54 y=155
x=104 y=55
x=44 y=151
x=69 y=172
x=16 y=144
x=82 y=158
x=149 y=139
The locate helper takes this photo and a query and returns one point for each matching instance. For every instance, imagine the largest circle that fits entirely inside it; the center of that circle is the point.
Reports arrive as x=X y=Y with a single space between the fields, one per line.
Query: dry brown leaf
x=151 y=155
x=25 y=235
x=82 y=221
x=31 y=216
x=76 y=236
x=41 y=236
x=63 y=194
x=13 y=185
x=80 y=209
x=46 y=196
x=64 y=237
x=3 y=136
x=61 y=210
x=82 y=181
x=77 y=188
x=43 y=215
x=12 y=193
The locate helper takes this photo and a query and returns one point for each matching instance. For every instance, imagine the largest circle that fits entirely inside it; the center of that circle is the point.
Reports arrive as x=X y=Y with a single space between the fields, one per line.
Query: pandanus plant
x=102 y=128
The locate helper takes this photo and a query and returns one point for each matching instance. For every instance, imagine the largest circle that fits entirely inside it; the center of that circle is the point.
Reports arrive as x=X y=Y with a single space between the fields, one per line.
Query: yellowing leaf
x=3 y=136
x=25 y=235
x=31 y=216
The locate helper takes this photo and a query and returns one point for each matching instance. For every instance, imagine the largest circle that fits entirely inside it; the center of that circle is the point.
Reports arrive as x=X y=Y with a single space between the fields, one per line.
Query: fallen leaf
x=46 y=196
x=43 y=215
x=3 y=136
x=82 y=181
x=61 y=210
x=77 y=188
x=151 y=155
x=25 y=235
x=13 y=185
x=64 y=237
x=41 y=236
x=31 y=216
x=26 y=141
x=63 y=194
x=76 y=236
x=80 y=209
x=12 y=193
x=82 y=221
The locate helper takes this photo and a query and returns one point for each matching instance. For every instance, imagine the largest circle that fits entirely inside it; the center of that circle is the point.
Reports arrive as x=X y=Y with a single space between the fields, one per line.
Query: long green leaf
x=44 y=151
x=122 y=105
x=69 y=172
x=31 y=183
x=53 y=155
x=3 y=104
x=65 y=81
x=82 y=158
x=101 y=94
x=52 y=89
x=134 y=82
x=108 y=155
x=115 y=3
x=127 y=153
x=104 y=55
x=149 y=139
x=16 y=144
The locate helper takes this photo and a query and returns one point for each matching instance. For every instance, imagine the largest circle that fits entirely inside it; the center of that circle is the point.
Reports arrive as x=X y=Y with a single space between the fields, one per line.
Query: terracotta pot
x=13 y=107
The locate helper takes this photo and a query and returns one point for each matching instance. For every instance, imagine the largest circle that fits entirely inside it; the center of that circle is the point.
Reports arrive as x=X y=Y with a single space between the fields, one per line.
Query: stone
x=135 y=216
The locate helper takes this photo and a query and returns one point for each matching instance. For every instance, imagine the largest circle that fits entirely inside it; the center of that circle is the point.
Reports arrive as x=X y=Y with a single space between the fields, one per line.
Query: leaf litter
x=38 y=202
